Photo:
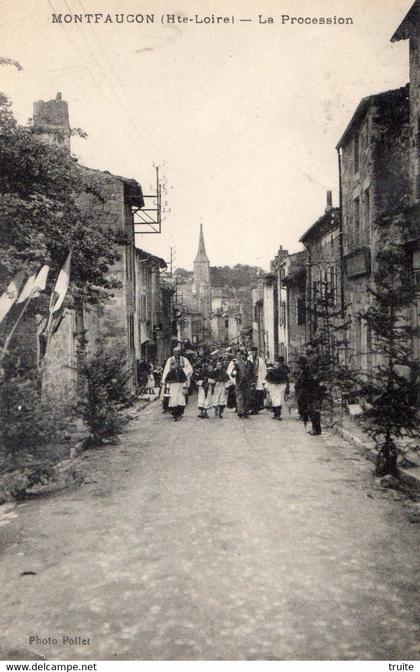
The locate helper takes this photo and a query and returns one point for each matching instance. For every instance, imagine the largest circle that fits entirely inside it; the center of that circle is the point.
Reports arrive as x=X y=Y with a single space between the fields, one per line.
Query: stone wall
x=59 y=367
x=415 y=114
x=105 y=325
x=296 y=316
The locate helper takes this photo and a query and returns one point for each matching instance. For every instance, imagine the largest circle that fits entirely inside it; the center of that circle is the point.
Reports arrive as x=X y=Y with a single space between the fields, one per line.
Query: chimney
x=53 y=117
x=281 y=255
x=329 y=201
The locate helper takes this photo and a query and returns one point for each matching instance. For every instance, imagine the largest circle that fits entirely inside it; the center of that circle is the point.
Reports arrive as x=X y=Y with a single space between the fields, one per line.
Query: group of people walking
x=246 y=383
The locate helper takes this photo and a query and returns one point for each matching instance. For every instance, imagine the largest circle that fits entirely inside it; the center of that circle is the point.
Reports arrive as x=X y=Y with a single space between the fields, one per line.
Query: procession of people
x=242 y=381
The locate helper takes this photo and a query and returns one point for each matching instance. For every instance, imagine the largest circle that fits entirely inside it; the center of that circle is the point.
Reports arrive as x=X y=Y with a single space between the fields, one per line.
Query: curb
x=406 y=476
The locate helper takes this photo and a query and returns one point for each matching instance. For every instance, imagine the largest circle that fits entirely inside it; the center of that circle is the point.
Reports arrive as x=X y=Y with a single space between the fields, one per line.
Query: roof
x=147 y=256
x=329 y=220
x=362 y=108
x=295 y=277
x=407 y=26
x=133 y=193
x=201 y=254
x=296 y=267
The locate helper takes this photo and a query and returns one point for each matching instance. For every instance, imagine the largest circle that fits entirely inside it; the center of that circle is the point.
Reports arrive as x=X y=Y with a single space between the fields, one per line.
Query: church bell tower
x=201 y=284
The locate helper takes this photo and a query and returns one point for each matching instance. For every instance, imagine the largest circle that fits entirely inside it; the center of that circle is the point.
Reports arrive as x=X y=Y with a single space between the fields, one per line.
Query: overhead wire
x=92 y=55
x=75 y=46
x=116 y=97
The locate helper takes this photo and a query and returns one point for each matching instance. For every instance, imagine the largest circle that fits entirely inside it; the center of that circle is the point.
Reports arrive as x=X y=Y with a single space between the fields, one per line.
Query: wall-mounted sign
x=358 y=263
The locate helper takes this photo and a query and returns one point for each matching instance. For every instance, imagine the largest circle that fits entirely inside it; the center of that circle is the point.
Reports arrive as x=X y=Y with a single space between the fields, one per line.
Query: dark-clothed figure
x=277 y=382
x=260 y=372
x=308 y=396
x=302 y=389
x=143 y=368
x=177 y=382
x=221 y=380
x=204 y=380
x=244 y=374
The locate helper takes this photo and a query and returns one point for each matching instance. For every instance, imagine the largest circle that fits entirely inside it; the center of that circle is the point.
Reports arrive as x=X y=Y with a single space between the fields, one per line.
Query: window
x=143 y=306
x=366 y=214
x=333 y=284
x=282 y=313
x=129 y=264
x=358 y=337
x=356 y=222
x=356 y=151
x=416 y=163
x=130 y=331
x=301 y=316
x=226 y=324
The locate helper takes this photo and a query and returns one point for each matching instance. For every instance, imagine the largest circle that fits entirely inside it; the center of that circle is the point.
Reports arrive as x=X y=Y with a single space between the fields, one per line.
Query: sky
x=241 y=118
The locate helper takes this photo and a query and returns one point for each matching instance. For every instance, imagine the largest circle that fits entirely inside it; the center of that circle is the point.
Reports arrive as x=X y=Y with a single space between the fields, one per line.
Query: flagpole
x=10 y=336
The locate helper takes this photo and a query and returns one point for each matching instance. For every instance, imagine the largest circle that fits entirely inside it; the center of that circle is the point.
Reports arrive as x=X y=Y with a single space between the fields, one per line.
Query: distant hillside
x=237 y=276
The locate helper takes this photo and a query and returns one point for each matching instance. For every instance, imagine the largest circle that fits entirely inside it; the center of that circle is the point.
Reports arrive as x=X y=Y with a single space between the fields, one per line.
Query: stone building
x=295 y=313
x=258 y=317
x=279 y=325
x=409 y=29
x=373 y=154
x=324 y=263
x=153 y=313
x=278 y=267
x=226 y=329
x=270 y=316
x=189 y=325
x=126 y=322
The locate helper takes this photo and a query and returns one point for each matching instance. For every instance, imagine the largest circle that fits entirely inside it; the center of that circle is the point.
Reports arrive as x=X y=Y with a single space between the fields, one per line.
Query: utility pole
x=171 y=262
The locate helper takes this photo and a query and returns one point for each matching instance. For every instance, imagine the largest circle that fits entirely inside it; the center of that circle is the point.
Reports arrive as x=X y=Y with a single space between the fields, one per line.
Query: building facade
x=323 y=267
x=409 y=30
x=295 y=311
x=374 y=168
x=136 y=318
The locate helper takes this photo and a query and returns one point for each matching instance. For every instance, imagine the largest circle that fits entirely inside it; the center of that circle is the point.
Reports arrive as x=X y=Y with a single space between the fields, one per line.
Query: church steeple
x=201 y=282
x=201 y=254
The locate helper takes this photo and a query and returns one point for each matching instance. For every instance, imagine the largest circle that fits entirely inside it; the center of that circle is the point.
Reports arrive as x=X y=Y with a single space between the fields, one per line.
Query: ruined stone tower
x=53 y=116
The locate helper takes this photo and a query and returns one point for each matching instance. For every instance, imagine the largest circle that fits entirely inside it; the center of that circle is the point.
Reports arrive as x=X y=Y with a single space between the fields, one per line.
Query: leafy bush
x=26 y=424
x=106 y=392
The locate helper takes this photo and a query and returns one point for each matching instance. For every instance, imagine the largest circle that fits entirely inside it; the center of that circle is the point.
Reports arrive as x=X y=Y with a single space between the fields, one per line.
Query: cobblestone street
x=213 y=539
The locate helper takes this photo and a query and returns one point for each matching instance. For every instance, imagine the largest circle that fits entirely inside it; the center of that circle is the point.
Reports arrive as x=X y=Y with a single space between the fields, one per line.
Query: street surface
x=213 y=539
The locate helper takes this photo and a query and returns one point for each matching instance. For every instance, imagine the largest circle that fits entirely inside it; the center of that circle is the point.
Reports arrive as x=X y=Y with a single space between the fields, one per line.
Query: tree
x=394 y=383
x=41 y=217
x=183 y=275
x=327 y=347
x=106 y=392
x=240 y=275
